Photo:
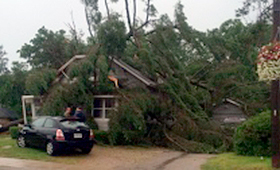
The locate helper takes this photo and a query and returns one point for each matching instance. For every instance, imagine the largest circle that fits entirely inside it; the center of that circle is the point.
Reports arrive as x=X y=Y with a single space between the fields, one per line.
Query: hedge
x=253 y=137
x=14 y=132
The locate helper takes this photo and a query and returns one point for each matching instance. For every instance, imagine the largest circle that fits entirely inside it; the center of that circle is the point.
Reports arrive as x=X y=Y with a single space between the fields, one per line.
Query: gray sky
x=21 y=19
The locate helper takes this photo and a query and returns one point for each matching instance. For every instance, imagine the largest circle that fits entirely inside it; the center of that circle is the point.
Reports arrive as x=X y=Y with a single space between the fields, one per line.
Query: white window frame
x=103 y=108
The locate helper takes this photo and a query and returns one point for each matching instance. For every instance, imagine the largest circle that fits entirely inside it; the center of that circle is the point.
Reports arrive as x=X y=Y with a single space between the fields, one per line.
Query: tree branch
x=134 y=13
x=201 y=85
x=88 y=22
x=164 y=28
x=128 y=16
x=107 y=9
x=147 y=21
x=147 y=17
x=201 y=69
x=147 y=11
x=74 y=33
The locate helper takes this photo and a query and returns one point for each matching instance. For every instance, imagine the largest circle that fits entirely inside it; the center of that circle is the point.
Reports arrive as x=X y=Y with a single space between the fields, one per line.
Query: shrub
x=101 y=136
x=14 y=131
x=253 y=137
x=91 y=123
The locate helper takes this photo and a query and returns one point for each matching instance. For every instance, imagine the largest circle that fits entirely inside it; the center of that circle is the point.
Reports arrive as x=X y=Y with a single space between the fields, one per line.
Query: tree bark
x=107 y=9
x=134 y=13
x=128 y=16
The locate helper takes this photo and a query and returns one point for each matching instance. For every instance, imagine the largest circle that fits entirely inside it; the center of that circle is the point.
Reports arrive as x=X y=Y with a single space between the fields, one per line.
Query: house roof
x=7 y=114
x=69 y=62
x=137 y=74
x=61 y=70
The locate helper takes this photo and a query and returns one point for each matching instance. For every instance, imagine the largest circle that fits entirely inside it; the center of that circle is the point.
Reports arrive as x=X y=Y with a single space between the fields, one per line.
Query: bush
x=101 y=136
x=14 y=131
x=91 y=123
x=253 y=137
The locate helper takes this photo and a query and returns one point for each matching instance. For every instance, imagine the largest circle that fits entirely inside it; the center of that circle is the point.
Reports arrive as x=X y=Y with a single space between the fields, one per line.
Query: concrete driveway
x=116 y=158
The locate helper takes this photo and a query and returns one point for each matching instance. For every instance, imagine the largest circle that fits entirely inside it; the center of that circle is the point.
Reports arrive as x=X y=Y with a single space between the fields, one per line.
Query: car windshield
x=73 y=124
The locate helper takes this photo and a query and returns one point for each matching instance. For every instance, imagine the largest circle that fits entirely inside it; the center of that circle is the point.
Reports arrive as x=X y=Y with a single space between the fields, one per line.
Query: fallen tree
x=145 y=118
x=12 y=123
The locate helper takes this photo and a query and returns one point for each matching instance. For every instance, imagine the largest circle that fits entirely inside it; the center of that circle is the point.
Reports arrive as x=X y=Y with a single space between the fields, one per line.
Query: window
x=39 y=122
x=103 y=105
x=73 y=124
x=110 y=103
x=97 y=113
x=50 y=124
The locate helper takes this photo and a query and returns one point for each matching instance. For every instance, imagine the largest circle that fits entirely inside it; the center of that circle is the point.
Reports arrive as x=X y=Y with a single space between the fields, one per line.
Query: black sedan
x=56 y=134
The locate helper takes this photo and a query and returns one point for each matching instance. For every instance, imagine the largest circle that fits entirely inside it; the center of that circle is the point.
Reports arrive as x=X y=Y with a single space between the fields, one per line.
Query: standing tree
x=12 y=87
x=112 y=36
x=49 y=49
x=3 y=61
x=263 y=8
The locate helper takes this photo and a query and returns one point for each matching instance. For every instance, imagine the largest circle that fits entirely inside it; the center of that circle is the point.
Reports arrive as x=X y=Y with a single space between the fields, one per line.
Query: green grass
x=9 y=148
x=231 y=161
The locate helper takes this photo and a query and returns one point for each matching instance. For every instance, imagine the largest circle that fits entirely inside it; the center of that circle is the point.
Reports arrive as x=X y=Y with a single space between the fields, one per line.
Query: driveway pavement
x=117 y=158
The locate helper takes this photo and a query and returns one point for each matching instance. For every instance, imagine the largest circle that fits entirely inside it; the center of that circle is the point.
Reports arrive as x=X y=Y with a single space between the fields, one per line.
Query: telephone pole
x=275 y=96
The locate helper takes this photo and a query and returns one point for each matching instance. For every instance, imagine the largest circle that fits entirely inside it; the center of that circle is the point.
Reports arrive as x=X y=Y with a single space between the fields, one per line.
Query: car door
x=48 y=131
x=33 y=132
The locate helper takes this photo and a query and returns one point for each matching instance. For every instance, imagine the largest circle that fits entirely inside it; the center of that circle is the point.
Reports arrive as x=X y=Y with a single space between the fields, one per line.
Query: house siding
x=228 y=112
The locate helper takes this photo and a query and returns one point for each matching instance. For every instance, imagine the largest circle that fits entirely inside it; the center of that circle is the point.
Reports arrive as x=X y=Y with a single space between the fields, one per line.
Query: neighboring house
x=6 y=116
x=123 y=75
x=229 y=112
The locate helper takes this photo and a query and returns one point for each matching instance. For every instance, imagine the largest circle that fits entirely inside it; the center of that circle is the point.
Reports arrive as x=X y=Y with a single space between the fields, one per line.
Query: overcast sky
x=21 y=19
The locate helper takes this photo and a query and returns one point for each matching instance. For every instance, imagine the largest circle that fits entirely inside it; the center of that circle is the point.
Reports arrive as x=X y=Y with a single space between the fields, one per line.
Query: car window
x=39 y=122
x=50 y=123
x=73 y=124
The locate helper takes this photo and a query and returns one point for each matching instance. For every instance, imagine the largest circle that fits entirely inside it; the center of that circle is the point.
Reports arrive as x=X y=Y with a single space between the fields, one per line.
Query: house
x=128 y=78
x=229 y=112
x=123 y=76
x=6 y=116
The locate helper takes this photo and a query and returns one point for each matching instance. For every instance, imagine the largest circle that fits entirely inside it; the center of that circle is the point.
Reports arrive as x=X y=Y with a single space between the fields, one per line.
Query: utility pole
x=275 y=96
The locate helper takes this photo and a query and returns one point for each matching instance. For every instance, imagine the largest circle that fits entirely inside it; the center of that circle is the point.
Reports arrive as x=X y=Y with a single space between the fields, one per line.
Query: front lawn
x=231 y=161
x=9 y=148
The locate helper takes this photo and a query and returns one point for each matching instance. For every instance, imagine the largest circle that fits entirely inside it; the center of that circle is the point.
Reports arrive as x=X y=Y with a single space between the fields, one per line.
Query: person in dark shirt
x=80 y=114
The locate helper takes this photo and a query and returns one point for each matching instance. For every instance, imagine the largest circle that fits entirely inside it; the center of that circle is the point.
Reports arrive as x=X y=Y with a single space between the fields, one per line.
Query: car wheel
x=50 y=148
x=21 y=142
x=86 y=150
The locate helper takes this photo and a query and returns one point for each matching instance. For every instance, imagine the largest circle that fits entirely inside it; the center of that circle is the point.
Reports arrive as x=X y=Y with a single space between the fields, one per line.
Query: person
x=67 y=112
x=80 y=114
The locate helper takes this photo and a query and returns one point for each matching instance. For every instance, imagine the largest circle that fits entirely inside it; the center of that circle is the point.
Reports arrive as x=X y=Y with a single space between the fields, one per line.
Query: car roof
x=59 y=118
x=52 y=117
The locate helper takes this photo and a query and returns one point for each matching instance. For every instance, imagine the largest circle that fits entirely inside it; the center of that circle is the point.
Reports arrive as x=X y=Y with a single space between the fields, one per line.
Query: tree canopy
x=3 y=61
x=50 y=49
